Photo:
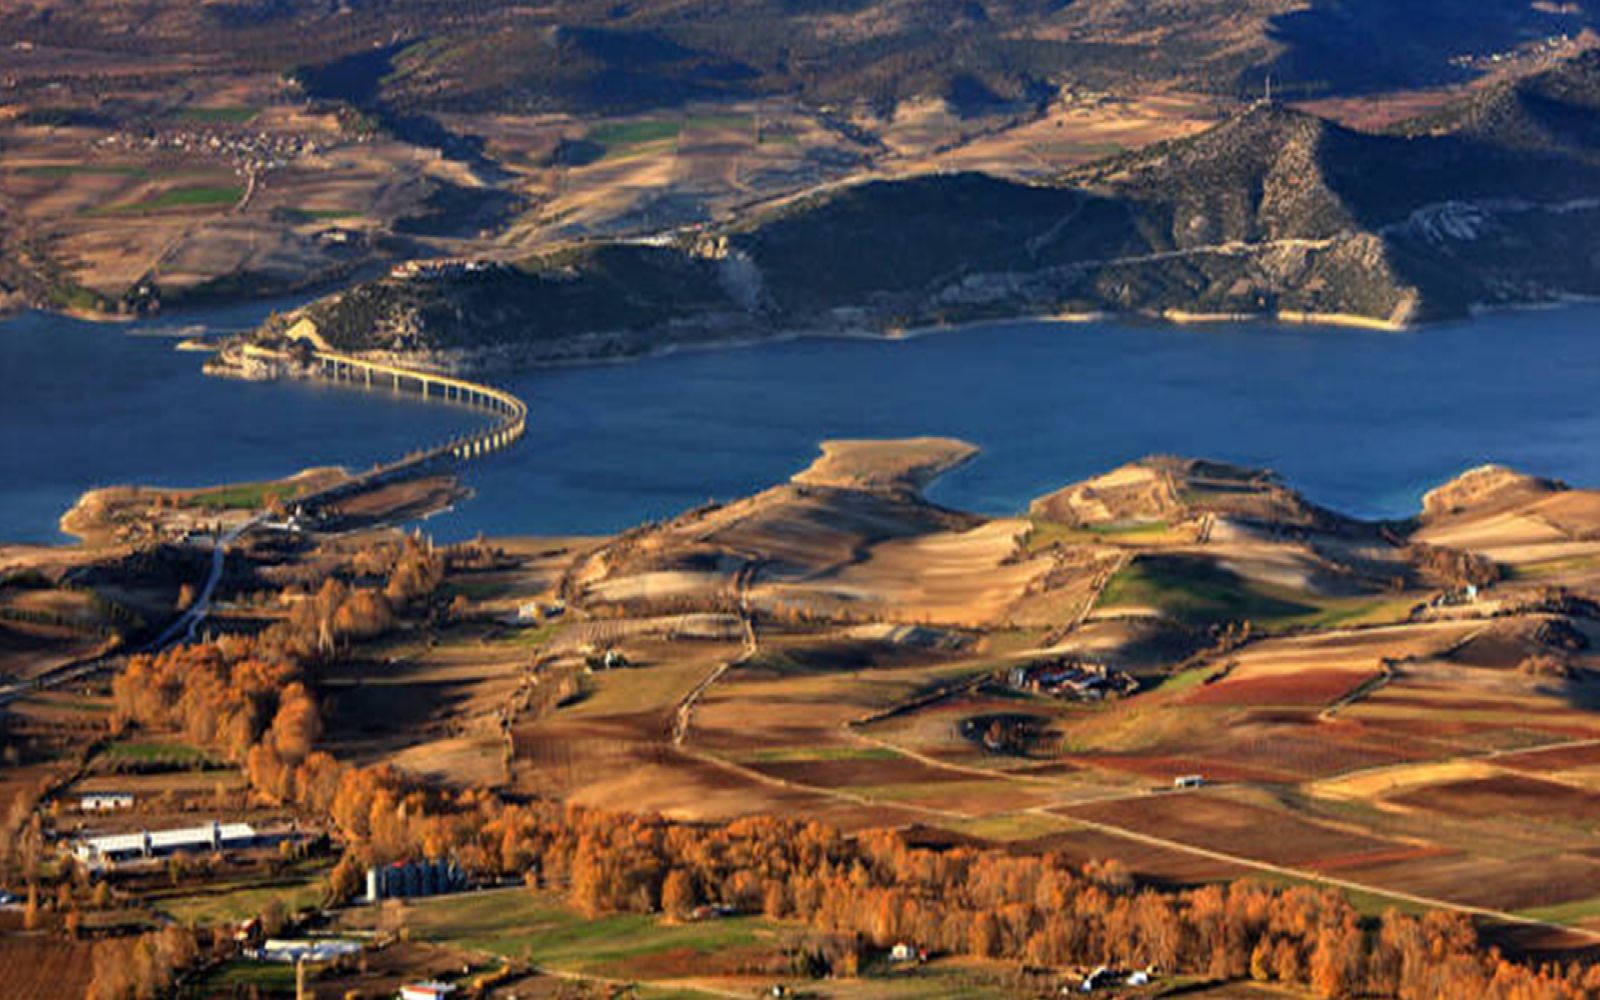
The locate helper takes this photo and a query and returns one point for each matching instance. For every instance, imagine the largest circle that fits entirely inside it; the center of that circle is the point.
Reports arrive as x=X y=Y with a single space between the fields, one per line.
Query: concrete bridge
x=503 y=433
x=510 y=424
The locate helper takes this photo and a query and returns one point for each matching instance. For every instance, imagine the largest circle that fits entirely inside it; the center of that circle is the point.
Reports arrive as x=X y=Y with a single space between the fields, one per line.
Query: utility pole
x=300 y=978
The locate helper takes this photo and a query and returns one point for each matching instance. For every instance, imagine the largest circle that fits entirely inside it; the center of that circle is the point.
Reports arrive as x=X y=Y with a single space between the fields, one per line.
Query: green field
x=62 y=170
x=1196 y=592
x=1045 y=534
x=1578 y=911
x=298 y=890
x=533 y=637
x=65 y=295
x=544 y=930
x=639 y=688
x=782 y=755
x=1199 y=592
x=297 y=216
x=199 y=196
x=618 y=137
x=244 y=496
x=216 y=115
x=175 y=754
x=1186 y=680
x=236 y=978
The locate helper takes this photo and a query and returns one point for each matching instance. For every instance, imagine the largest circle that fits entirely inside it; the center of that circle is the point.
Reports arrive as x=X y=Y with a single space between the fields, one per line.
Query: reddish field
x=1510 y=885
x=1366 y=859
x=1146 y=861
x=1306 y=687
x=860 y=772
x=688 y=963
x=1455 y=734
x=1507 y=795
x=602 y=762
x=1302 y=754
x=1423 y=700
x=1237 y=828
x=1558 y=759
x=1162 y=768
x=45 y=968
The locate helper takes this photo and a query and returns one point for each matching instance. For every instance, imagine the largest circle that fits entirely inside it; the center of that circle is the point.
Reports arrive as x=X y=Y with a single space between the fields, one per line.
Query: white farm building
x=213 y=836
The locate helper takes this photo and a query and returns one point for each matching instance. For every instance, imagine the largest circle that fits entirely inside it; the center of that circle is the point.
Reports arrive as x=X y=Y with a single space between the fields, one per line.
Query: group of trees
x=260 y=715
x=877 y=889
x=247 y=696
x=218 y=695
x=141 y=967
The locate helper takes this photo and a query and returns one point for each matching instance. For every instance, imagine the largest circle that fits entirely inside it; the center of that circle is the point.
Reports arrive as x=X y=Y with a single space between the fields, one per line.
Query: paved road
x=182 y=628
x=190 y=620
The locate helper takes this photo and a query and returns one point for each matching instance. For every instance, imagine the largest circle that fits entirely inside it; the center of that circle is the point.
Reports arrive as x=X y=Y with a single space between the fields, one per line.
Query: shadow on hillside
x=1369 y=46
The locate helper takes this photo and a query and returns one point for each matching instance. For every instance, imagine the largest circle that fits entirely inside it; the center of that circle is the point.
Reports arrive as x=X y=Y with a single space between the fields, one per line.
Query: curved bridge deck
x=502 y=433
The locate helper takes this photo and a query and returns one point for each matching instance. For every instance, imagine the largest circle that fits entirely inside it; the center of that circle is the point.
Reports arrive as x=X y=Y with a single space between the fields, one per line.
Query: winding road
x=183 y=627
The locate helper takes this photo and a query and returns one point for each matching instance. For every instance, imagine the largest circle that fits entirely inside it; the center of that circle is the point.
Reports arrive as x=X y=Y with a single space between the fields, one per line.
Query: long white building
x=213 y=836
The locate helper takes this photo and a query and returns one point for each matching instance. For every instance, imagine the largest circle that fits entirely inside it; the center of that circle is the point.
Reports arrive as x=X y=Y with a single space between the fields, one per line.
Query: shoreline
x=1175 y=318
x=482 y=361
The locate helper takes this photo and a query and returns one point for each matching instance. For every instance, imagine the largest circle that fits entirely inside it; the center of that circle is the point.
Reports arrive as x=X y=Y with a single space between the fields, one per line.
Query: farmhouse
x=435 y=269
x=289 y=952
x=426 y=991
x=1071 y=679
x=104 y=801
x=145 y=844
x=906 y=952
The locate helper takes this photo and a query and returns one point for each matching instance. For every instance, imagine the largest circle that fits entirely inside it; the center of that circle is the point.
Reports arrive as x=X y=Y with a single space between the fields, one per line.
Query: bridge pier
x=509 y=427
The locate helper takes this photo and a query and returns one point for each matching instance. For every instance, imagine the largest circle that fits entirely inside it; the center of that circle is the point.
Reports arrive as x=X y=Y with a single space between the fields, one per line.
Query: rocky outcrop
x=1485 y=489
x=1165 y=488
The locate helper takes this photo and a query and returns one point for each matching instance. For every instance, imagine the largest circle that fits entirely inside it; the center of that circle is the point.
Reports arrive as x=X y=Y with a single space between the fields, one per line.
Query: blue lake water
x=87 y=405
x=1362 y=421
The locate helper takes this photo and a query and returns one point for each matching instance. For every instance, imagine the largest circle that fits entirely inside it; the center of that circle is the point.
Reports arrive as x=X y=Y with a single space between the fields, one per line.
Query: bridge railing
x=501 y=434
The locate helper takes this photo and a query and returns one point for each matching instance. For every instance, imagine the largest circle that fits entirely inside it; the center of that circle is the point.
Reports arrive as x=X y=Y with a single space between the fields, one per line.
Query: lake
x=90 y=404
x=1363 y=421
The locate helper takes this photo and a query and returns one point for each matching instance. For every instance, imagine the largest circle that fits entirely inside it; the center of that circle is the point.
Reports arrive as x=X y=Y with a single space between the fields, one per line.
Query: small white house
x=426 y=991
x=1095 y=980
x=317 y=950
x=1188 y=781
x=104 y=801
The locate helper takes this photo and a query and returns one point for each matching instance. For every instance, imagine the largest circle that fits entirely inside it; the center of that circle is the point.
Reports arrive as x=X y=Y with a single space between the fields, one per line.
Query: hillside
x=1271 y=212
x=591 y=55
x=1170 y=489
x=1554 y=110
x=164 y=154
x=587 y=303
